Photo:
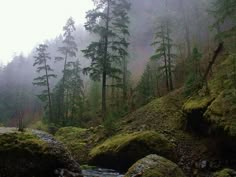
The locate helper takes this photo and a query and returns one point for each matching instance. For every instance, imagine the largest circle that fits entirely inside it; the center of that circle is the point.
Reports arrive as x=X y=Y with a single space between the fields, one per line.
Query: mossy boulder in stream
x=154 y=166
x=33 y=153
x=121 y=151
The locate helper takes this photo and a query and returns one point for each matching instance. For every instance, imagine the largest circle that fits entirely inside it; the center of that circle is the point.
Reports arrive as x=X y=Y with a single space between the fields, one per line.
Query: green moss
x=128 y=148
x=197 y=103
x=162 y=114
x=116 y=143
x=222 y=112
x=39 y=125
x=154 y=166
x=80 y=141
x=76 y=140
x=24 y=142
x=225 y=173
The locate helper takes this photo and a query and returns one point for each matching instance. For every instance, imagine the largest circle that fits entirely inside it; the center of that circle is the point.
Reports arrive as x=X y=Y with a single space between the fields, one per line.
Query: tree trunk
x=169 y=56
x=63 y=91
x=49 y=93
x=124 y=79
x=186 y=28
x=104 y=73
x=165 y=60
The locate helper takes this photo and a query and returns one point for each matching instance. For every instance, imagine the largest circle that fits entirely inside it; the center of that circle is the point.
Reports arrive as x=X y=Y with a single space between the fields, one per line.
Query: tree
x=194 y=78
x=68 y=51
x=224 y=10
x=163 y=53
x=121 y=27
x=41 y=60
x=186 y=27
x=74 y=86
x=107 y=23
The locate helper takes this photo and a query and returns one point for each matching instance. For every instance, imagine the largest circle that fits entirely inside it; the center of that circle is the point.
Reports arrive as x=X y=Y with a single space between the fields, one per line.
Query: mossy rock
x=197 y=103
x=80 y=141
x=225 y=173
x=32 y=153
x=121 y=151
x=222 y=112
x=154 y=166
x=75 y=139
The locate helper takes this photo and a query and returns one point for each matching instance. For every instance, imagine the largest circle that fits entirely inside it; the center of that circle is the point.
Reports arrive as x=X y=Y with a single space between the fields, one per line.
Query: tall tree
x=186 y=27
x=163 y=53
x=105 y=53
x=225 y=10
x=68 y=52
x=41 y=61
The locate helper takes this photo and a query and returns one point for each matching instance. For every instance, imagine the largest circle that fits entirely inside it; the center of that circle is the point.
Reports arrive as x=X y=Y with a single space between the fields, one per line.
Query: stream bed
x=100 y=172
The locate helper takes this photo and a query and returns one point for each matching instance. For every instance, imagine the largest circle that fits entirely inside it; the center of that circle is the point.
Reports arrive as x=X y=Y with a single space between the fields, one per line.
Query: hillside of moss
x=200 y=129
x=218 y=107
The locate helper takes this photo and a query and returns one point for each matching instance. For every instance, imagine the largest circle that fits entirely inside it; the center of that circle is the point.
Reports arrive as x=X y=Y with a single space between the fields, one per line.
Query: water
x=100 y=172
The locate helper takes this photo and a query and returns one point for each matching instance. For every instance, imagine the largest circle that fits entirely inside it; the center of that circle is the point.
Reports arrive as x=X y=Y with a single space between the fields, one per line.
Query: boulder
x=121 y=151
x=34 y=153
x=154 y=166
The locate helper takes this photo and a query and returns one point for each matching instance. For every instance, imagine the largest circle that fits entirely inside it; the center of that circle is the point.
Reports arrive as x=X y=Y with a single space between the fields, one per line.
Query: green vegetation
x=154 y=166
x=225 y=173
x=128 y=148
x=222 y=112
x=76 y=140
x=21 y=143
x=80 y=141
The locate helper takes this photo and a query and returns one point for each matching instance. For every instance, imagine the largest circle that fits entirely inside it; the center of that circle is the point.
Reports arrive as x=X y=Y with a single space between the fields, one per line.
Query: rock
x=33 y=153
x=121 y=151
x=204 y=164
x=222 y=113
x=80 y=141
x=154 y=166
x=225 y=173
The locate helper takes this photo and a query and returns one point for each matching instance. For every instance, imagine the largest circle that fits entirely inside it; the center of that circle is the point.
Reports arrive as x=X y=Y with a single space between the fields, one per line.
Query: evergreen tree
x=163 y=53
x=106 y=53
x=74 y=86
x=41 y=61
x=224 y=10
x=68 y=52
x=194 y=74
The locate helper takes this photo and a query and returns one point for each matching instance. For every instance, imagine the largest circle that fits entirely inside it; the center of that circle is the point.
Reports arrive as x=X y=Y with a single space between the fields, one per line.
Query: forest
x=145 y=88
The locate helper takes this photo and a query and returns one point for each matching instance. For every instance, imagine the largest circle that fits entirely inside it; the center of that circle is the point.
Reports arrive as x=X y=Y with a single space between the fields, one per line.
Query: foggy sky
x=26 y=23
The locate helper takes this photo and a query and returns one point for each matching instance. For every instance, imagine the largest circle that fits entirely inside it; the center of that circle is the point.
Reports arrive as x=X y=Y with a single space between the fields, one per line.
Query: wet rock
x=154 y=166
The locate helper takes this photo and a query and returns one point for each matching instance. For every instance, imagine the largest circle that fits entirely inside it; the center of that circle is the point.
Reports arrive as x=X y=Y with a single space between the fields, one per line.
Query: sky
x=26 y=23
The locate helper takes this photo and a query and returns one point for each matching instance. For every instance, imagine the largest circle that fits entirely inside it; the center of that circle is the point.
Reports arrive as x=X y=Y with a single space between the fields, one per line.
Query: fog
x=29 y=22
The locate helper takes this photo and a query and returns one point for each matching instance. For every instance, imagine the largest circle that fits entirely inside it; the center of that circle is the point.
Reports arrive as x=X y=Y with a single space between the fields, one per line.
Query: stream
x=100 y=172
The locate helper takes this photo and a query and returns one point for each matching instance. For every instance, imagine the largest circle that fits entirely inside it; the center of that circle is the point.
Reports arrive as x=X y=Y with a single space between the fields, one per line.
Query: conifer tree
x=41 y=61
x=68 y=53
x=163 y=54
x=106 y=53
